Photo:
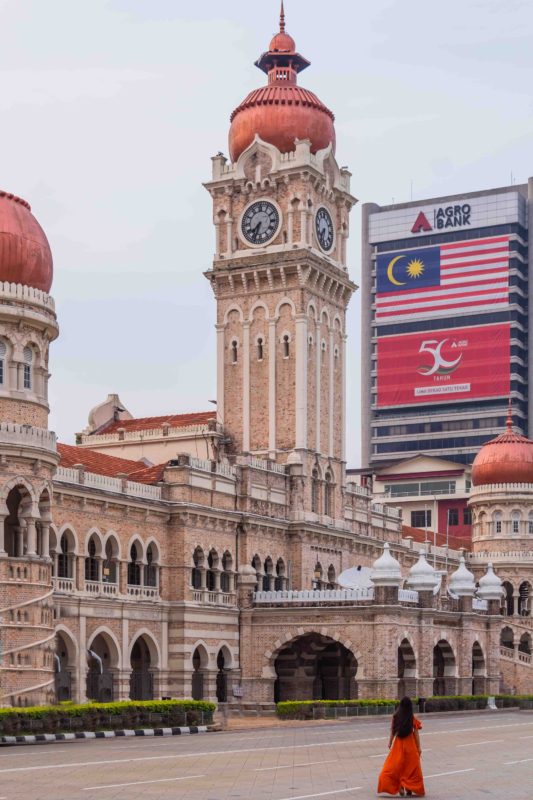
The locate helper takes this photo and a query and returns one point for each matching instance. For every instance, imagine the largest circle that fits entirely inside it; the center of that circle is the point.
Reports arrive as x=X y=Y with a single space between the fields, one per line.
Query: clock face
x=324 y=229
x=260 y=222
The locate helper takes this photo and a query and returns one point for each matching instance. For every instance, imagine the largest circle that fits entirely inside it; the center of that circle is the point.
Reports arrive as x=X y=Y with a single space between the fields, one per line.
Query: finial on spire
x=510 y=416
x=282 y=19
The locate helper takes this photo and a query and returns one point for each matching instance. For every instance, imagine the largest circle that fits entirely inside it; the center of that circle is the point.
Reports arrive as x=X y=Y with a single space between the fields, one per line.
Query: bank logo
x=440 y=365
x=421 y=224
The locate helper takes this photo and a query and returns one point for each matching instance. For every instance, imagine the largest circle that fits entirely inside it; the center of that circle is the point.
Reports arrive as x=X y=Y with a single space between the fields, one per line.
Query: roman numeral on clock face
x=260 y=222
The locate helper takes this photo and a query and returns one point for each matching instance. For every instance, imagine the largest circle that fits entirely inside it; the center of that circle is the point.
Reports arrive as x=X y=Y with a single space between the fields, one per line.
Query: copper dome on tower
x=506 y=459
x=281 y=111
x=25 y=255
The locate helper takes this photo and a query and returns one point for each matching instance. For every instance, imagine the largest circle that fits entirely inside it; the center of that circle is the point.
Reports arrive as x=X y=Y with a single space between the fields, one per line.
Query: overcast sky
x=111 y=109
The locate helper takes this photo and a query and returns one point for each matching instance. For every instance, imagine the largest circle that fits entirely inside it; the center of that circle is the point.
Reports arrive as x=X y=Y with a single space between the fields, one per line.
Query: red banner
x=444 y=365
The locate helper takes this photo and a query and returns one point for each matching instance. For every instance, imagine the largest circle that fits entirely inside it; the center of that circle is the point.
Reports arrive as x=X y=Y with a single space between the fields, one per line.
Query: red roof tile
x=148 y=423
x=419 y=535
x=97 y=462
x=148 y=474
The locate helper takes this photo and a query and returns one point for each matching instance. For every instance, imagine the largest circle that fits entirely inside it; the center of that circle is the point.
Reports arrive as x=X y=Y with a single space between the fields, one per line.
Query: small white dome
x=490 y=585
x=386 y=570
x=462 y=581
x=422 y=576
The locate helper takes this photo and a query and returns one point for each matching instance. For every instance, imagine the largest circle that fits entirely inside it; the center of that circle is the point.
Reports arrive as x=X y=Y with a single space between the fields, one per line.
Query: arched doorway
x=444 y=679
x=315 y=667
x=524 y=646
x=478 y=669
x=18 y=504
x=508 y=599
x=406 y=670
x=141 y=679
x=223 y=666
x=507 y=638
x=524 y=599
x=64 y=668
x=199 y=665
x=102 y=659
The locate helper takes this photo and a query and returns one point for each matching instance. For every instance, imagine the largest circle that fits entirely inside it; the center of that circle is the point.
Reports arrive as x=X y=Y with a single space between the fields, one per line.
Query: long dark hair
x=402 y=721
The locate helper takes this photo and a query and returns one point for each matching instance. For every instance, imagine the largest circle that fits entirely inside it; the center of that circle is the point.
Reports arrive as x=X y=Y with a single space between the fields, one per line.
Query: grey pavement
x=476 y=756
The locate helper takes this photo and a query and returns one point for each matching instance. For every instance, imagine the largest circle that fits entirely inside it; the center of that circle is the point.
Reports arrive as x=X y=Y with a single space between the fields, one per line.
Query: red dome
x=282 y=111
x=25 y=255
x=282 y=43
x=506 y=459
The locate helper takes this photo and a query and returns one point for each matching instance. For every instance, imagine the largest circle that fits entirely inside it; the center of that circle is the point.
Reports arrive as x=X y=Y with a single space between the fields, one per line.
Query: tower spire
x=282 y=19
x=509 y=422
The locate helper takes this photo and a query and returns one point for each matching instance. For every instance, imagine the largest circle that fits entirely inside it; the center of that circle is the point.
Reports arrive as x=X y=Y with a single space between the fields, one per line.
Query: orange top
x=506 y=459
x=282 y=111
x=25 y=255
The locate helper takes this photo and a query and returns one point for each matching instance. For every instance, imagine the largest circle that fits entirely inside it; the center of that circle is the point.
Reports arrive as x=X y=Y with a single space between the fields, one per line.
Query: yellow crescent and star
x=415 y=268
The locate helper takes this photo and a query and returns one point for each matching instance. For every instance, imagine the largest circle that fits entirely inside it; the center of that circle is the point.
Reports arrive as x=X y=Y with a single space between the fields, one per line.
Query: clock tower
x=281 y=209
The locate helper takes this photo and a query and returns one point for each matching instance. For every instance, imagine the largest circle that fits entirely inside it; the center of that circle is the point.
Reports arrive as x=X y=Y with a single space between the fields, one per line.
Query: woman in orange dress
x=402 y=772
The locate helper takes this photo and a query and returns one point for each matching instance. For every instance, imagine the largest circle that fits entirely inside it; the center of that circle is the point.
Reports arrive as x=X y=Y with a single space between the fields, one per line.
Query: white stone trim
x=246 y=387
x=301 y=381
x=331 y=415
x=272 y=385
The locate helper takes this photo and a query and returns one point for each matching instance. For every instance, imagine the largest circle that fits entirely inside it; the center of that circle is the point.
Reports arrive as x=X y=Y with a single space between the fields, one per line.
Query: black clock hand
x=254 y=230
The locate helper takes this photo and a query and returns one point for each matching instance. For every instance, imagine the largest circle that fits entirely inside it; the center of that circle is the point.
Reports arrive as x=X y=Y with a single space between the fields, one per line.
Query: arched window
x=225 y=577
x=497 y=522
x=134 y=568
x=196 y=572
x=286 y=341
x=317 y=576
x=150 y=569
x=314 y=491
x=524 y=599
x=515 y=522
x=331 y=577
x=91 y=562
x=28 y=361
x=64 y=559
x=234 y=351
x=280 y=580
x=268 y=576
x=109 y=567
x=530 y=522
x=3 y=356
x=256 y=564
x=260 y=349
x=212 y=562
x=328 y=496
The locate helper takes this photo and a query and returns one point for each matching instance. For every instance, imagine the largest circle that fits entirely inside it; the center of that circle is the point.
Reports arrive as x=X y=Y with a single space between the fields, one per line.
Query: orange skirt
x=402 y=768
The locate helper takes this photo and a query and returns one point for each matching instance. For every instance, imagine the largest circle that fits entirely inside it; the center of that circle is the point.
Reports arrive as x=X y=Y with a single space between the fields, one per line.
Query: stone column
x=19 y=541
x=31 y=538
x=45 y=539
x=246 y=387
x=301 y=381
x=3 y=552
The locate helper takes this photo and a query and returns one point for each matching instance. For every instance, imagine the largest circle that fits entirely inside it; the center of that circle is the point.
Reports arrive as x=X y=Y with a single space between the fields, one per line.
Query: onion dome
x=462 y=581
x=281 y=111
x=25 y=255
x=386 y=570
x=506 y=459
x=422 y=576
x=490 y=586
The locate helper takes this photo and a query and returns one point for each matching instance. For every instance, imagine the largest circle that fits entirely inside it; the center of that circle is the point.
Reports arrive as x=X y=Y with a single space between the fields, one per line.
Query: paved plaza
x=464 y=756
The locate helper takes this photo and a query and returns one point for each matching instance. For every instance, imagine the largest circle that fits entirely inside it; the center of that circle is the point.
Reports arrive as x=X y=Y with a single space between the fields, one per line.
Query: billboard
x=444 y=365
x=410 y=221
x=426 y=282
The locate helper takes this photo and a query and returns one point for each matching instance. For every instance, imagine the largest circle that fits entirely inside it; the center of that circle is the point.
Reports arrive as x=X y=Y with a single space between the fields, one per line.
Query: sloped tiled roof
x=148 y=474
x=419 y=535
x=148 y=423
x=97 y=462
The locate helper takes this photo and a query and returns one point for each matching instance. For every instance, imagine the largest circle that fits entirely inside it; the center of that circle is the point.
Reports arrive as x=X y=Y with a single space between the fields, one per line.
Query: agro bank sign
x=461 y=214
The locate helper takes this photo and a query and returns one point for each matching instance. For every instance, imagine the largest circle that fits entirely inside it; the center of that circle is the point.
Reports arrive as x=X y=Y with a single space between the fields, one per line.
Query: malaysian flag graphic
x=434 y=281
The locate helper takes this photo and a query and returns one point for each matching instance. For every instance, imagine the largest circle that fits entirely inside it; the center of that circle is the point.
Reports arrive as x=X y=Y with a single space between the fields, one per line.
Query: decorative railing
x=315 y=596
x=100 y=588
x=144 y=592
x=261 y=463
x=489 y=555
x=214 y=598
x=105 y=483
x=525 y=658
x=479 y=605
x=29 y=294
x=149 y=433
x=388 y=511
x=354 y=488
x=507 y=652
x=407 y=596
x=64 y=585
x=27 y=436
